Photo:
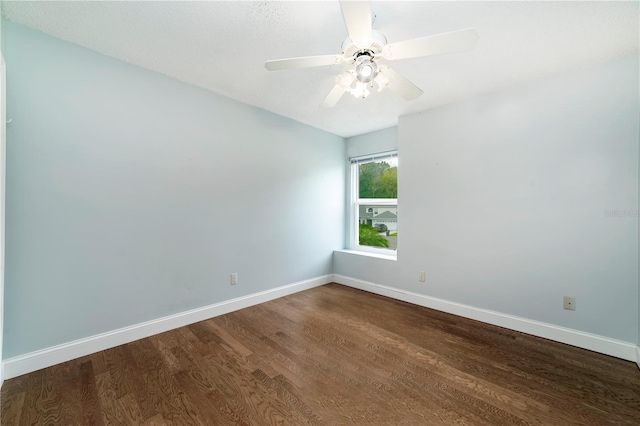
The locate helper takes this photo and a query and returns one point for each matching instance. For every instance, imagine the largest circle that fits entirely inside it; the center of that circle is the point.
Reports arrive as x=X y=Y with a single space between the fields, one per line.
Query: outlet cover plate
x=570 y=303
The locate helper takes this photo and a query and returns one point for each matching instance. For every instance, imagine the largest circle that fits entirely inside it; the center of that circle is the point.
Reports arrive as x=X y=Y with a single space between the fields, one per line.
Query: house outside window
x=374 y=203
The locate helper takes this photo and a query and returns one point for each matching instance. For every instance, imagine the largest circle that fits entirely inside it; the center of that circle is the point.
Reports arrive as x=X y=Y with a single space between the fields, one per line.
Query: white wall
x=132 y=196
x=503 y=198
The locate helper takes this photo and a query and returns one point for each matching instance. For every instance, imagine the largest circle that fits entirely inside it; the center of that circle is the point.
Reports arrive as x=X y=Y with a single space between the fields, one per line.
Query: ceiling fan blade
x=333 y=97
x=357 y=17
x=438 y=44
x=343 y=82
x=303 y=62
x=401 y=85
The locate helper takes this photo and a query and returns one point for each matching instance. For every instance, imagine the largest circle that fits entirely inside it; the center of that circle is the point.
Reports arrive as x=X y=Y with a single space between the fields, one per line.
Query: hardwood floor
x=330 y=356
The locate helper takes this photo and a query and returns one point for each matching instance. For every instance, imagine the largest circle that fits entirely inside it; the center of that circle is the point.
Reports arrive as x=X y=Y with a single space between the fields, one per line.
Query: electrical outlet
x=421 y=276
x=570 y=303
x=234 y=278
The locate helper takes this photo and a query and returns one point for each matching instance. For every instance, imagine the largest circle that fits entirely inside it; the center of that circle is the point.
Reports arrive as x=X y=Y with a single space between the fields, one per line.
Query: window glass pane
x=378 y=226
x=378 y=179
x=375 y=203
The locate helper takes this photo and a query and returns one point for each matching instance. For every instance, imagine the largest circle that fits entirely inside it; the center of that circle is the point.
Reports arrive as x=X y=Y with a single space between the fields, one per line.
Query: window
x=374 y=203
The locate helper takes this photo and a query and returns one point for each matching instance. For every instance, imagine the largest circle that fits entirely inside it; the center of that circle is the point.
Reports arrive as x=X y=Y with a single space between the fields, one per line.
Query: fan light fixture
x=360 y=91
x=366 y=68
x=365 y=73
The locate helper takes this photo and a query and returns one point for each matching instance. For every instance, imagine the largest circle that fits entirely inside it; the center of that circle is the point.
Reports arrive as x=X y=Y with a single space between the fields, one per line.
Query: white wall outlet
x=234 y=278
x=570 y=303
x=421 y=276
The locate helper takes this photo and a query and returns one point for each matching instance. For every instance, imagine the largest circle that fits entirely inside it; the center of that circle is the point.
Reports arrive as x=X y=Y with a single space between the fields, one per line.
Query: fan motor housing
x=351 y=51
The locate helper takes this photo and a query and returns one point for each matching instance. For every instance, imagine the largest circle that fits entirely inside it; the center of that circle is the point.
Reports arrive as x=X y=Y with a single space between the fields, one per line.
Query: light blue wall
x=503 y=200
x=372 y=143
x=132 y=196
x=2 y=192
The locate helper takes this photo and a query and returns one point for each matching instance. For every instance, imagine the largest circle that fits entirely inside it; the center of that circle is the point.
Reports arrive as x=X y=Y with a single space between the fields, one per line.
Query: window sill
x=368 y=254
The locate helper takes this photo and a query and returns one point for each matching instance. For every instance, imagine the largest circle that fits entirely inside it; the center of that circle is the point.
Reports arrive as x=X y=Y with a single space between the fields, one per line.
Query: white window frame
x=356 y=202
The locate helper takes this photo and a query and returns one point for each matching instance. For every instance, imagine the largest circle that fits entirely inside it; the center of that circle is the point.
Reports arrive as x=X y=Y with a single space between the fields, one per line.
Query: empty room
x=319 y=212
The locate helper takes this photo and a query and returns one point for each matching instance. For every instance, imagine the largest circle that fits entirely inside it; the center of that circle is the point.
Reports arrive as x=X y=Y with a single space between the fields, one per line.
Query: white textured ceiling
x=222 y=47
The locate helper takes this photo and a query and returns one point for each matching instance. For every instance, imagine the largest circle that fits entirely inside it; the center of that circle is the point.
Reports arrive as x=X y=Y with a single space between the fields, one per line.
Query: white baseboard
x=36 y=360
x=581 y=339
x=43 y=358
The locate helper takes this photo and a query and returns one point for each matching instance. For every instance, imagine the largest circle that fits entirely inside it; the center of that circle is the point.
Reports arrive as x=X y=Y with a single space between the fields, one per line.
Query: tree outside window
x=376 y=205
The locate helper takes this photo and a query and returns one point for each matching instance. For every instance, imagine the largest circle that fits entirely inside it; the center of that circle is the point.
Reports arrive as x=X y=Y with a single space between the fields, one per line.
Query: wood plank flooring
x=331 y=356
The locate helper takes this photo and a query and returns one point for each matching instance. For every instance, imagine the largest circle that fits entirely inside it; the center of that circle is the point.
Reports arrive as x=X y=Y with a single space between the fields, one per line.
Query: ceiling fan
x=366 y=52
